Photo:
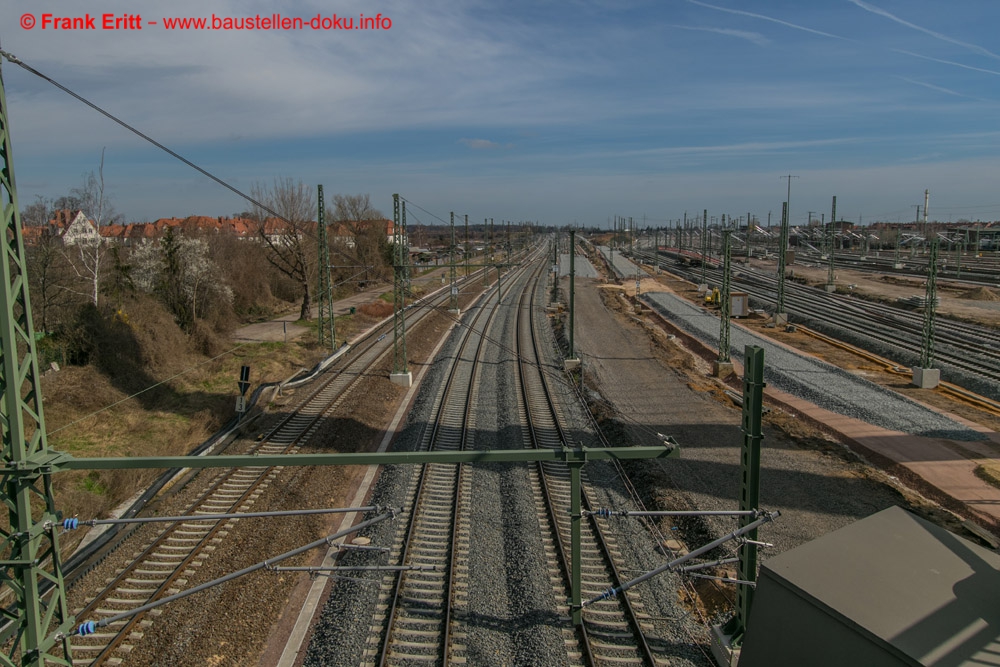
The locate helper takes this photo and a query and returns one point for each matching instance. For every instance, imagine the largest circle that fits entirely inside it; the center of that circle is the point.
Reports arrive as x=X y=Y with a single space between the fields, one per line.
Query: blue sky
x=549 y=111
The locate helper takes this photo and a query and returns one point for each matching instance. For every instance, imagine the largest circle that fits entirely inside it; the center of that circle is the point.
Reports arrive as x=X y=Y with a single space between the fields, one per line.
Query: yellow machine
x=713 y=298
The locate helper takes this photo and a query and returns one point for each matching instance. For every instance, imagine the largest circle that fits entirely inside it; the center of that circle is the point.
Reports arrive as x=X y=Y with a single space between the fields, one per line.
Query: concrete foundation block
x=721 y=369
x=571 y=364
x=402 y=379
x=455 y=311
x=722 y=650
x=830 y=287
x=926 y=378
x=780 y=319
x=702 y=288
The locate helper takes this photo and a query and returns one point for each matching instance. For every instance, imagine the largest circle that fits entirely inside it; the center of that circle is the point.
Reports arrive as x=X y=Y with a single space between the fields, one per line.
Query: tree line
x=205 y=280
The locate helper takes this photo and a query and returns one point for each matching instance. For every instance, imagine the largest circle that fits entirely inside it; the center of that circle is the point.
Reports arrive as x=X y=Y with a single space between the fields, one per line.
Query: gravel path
x=582 y=266
x=654 y=386
x=623 y=266
x=813 y=380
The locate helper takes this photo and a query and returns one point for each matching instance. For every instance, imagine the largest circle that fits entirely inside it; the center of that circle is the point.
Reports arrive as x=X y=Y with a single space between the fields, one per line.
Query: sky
x=566 y=112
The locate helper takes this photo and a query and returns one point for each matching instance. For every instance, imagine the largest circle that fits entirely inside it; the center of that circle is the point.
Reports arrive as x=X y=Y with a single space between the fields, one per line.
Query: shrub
x=377 y=309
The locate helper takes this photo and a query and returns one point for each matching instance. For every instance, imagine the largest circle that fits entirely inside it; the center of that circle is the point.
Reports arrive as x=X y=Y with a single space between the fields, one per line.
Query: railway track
x=421 y=616
x=971 y=349
x=413 y=621
x=163 y=565
x=613 y=630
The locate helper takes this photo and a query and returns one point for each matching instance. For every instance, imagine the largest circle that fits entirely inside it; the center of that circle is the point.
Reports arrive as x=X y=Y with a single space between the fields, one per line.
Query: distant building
x=72 y=228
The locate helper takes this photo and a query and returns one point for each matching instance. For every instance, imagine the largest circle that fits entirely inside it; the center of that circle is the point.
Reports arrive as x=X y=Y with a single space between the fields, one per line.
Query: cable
x=443 y=221
x=549 y=369
x=17 y=61
x=143 y=391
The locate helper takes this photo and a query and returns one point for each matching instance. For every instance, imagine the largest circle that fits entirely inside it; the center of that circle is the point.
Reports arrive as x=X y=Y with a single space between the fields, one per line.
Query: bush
x=376 y=309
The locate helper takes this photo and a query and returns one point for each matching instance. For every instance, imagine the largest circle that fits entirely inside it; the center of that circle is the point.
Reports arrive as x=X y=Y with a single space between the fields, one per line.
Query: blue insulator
x=87 y=628
x=71 y=524
x=604 y=511
x=610 y=593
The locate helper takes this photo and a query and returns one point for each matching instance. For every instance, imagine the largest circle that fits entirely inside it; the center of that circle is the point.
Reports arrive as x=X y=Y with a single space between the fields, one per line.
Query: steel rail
x=549 y=412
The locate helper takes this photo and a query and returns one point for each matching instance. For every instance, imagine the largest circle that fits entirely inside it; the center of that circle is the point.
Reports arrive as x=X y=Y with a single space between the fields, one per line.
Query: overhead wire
x=549 y=369
x=264 y=207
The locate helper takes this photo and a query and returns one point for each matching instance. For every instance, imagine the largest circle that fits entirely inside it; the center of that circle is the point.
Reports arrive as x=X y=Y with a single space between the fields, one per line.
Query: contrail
x=754 y=37
x=766 y=18
x=892 y=17
x=947 y=62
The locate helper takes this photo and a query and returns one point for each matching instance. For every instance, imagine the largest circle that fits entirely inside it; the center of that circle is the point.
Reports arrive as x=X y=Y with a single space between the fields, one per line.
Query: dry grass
x=989 y=473
x=167 y=420
x=377 y=309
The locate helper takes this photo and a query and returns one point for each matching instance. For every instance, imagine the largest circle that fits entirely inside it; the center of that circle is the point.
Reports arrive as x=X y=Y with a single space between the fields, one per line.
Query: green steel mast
x=779 y=307
x=930 y=309
x=451 y=267
x=36 y=628
x=399 y=286
x=327 y=332
x=725 y=304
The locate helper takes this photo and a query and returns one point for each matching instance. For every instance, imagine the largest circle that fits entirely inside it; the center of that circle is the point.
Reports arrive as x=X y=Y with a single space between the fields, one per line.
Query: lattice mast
x=704 y=247
x=326 y=326
x=451 y=266
x=779 y=307
x=753 y=434
x=36 y=628
x=399 y=275
x=930 y=309
x=725 y=304
x=833 y=241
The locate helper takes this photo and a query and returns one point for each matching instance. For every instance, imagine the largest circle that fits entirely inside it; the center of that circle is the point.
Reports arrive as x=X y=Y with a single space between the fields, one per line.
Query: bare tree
x=290 y=243
x=93 y=203
x=354 y=209
x=37 y=214
x=51 y=281
x=370 y=239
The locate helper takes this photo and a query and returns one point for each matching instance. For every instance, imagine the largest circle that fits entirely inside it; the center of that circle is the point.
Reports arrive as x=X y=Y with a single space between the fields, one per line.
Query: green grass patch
x=72 y=443
x=92 y=483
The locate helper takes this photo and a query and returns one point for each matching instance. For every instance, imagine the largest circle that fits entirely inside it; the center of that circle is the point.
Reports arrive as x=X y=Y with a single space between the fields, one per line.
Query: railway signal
x=244 y=381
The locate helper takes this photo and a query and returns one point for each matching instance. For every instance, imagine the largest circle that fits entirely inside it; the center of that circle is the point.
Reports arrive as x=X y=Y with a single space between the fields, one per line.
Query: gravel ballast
x=813 y=380
x=582 y=266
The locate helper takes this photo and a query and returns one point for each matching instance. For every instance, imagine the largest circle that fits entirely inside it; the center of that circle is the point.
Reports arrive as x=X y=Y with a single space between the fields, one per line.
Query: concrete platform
x=939 y=468
x=943 y=466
